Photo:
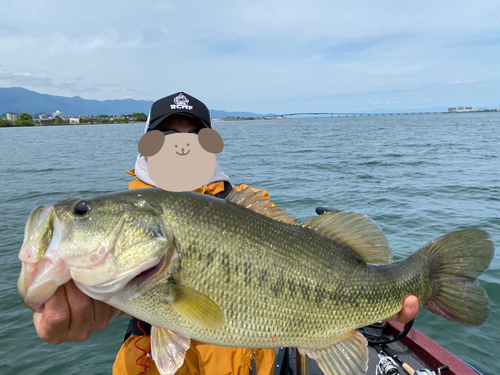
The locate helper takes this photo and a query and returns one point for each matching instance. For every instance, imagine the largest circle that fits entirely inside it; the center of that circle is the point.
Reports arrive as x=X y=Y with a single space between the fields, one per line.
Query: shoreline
x=215 y=120
x=84 y=124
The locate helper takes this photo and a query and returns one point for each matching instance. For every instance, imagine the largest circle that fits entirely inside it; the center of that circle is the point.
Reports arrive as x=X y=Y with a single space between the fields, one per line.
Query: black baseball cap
x=178 y=104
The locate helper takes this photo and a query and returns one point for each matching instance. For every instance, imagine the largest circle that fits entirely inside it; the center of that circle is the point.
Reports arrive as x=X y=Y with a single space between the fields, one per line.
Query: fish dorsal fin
x=168 y=349
x=195 y=307
x=349 y=356
x=255 y=201
x=358 y=232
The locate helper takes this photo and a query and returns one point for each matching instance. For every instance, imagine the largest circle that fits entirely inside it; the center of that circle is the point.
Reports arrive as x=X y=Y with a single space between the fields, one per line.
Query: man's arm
x=70 y=315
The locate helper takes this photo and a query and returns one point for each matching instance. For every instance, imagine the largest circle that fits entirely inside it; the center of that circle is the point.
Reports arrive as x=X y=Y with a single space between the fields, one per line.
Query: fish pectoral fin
x=168 y=349
x=196 y=307
x=348 y=356
x=358 y=232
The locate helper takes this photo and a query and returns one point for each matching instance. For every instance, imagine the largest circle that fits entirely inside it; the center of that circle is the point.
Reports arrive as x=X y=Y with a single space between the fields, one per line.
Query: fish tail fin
x=455 y=261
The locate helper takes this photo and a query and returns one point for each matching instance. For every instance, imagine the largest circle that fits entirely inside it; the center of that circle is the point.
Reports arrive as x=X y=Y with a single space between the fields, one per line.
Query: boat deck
x=405 y=354
x=416 y=350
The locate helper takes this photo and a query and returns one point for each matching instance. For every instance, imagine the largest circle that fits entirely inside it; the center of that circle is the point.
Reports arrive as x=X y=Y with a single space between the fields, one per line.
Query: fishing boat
x=413 y=353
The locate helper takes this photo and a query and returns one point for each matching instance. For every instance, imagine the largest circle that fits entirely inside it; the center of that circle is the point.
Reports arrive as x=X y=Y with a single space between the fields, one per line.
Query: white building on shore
x=460 y=109
x=58 y=114
x=12 y=116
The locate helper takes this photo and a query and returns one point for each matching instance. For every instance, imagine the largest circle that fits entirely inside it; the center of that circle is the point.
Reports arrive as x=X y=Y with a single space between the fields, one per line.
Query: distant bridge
x=352 y=114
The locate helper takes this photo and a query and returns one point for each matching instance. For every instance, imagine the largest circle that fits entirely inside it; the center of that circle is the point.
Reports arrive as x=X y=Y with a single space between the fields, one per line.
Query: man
x=189 y=116
x=70 y=315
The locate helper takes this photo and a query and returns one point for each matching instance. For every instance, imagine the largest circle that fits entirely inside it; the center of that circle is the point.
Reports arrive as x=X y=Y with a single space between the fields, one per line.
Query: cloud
x=31 y=80
x=470 y=81
x=57 y=43
x=248 y=55
x=24 y=79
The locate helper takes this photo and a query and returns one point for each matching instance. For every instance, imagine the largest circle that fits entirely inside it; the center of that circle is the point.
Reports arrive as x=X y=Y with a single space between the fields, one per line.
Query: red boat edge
x=429 y=351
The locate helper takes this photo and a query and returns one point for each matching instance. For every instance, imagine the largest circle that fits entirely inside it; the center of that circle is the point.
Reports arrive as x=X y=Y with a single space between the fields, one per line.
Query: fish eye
x=81 y=208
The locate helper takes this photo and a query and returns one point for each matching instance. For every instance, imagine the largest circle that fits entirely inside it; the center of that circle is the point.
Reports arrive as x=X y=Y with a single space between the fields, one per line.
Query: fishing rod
x=407 y=368
x=387 y=365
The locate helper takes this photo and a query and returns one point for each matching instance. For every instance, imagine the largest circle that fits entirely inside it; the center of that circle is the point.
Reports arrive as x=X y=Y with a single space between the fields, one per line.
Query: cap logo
x=181 y=102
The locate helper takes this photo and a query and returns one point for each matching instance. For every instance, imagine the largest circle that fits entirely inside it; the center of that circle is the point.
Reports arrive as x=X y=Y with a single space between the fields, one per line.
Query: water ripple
x=418 y=177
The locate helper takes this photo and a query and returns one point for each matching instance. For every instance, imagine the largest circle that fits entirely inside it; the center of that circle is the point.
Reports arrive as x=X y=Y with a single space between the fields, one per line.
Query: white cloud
x=471 y=81
x=249 y=55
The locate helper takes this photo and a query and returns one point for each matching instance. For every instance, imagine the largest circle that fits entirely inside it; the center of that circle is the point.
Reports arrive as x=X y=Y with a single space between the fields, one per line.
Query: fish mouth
x=37 y=285
x=45 y=268
x=40 y=276
x=47 y=264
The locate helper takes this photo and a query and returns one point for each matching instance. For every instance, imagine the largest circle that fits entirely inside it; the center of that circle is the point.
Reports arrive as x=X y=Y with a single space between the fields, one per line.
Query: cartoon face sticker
x=181 y=161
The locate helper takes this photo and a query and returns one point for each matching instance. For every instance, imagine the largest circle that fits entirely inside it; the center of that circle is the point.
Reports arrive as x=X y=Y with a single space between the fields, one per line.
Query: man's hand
x=70 y=315
x=408 y=312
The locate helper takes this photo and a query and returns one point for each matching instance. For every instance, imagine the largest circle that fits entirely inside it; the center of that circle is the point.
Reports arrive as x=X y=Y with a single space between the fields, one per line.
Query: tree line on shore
x=25 y=119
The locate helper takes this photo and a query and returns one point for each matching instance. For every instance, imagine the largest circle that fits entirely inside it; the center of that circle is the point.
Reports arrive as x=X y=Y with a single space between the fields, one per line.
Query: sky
x=258 y=56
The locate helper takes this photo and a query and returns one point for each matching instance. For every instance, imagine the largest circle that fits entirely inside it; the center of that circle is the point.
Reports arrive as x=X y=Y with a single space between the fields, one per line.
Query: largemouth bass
x=241 y=272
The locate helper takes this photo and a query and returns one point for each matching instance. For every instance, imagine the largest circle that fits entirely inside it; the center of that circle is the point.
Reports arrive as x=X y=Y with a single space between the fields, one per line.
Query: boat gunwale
x=430 y=352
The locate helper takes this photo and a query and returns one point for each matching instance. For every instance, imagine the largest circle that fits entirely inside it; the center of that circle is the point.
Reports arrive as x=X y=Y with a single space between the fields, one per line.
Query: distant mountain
x=17 y=100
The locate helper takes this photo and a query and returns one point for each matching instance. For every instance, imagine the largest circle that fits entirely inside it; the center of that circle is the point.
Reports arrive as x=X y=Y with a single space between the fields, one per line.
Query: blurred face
x=183 y=124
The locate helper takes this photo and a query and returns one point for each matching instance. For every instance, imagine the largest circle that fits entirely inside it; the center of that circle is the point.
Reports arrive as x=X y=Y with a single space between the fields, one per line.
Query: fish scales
x=288 y=287
x=197 y=267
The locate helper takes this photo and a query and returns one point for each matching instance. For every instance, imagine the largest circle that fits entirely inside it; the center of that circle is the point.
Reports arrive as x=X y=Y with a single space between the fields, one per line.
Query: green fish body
x=242 y=273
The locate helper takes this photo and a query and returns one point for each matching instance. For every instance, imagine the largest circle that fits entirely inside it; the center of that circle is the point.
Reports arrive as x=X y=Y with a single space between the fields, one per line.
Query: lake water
x=418 y=177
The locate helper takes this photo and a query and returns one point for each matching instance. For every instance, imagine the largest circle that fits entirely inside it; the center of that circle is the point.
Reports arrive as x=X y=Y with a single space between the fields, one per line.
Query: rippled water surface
x=418 y=177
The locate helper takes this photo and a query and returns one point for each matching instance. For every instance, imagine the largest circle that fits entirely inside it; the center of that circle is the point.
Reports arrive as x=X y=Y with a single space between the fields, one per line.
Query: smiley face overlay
x=181 y=161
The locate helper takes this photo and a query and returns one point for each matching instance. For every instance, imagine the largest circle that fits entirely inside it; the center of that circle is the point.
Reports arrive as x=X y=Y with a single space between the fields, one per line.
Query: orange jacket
x=201 y=359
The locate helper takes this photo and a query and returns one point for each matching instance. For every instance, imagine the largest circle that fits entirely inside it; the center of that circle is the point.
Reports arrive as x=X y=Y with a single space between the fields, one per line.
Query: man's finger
x=52 y=321
x=102 y=315
x=408 y=312
x=82 y=313
x=410 y=309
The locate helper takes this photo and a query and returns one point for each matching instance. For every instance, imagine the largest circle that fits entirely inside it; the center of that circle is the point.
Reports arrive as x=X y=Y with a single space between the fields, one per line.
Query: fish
x=242 y=272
